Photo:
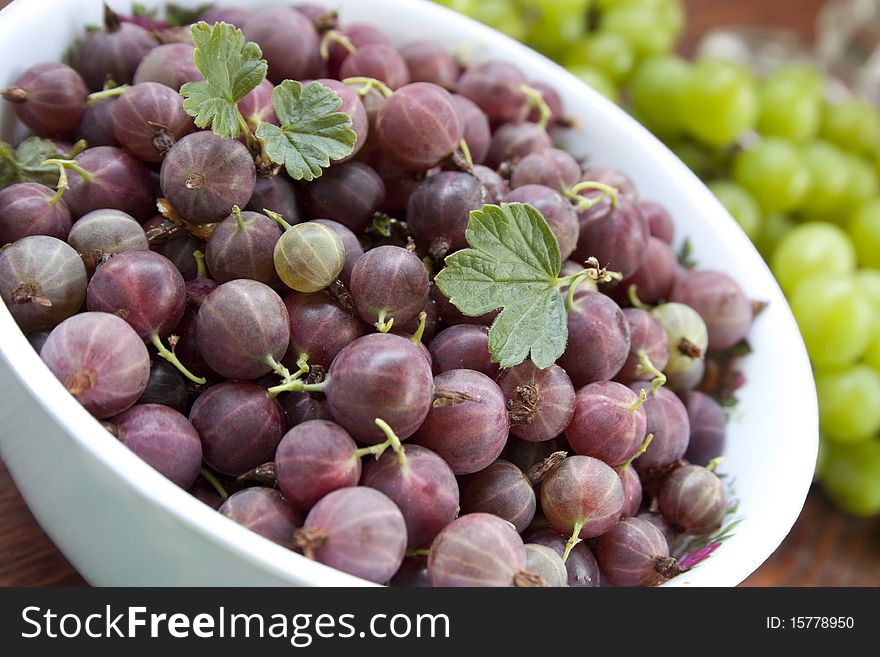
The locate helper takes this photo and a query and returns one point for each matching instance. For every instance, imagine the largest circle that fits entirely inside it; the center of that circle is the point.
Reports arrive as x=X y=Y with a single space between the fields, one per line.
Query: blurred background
x=775 y=105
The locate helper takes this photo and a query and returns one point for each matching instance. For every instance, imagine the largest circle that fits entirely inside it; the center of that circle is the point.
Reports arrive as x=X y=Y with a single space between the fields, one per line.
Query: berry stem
x=368 y=84
x=645 y=365
x=569 y=299
x=573 y=540
x=277 y=217
x=14 y=94
x=593 y=271
x=637 y=404
x=418 y=552
x=641 y=450
x=201 y=269
x=585 y=203
x=63 y=183
x=77 y=148
x=466 y=152
x=536 y=100
x=236 y=211
x=104 y=94
x=171 y=357
x=712 y=465
x=252 y=143
x=215 y=483
x=393 y=442
x=278 y=368
x=381 y=324
x=298 y=385
x=632 y=292
x=334 y=36
x=420 y=331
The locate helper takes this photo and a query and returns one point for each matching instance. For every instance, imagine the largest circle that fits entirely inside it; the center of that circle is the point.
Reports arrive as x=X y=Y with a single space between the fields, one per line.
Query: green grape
x=791 y=103
x=869 y=279
x=774 y=173
x=657 y=90
x=835 y=318
x=309 y=257
x=853 y=125
x=864 y=229
x=648 y=31
x=774 y=228
x=502 y=15
x=851 y=477
x=556 y=26
x=608 y=53
x=821 y=458
x=828 y=195
x=809 y=249
x=864 y=184
x=872 y=353
x=597 y=80
x=740 y=204
x=849 y=403
x=720 y=102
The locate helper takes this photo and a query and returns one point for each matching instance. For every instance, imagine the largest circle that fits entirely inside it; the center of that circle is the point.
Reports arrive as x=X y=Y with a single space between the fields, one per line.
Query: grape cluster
x=794 y=161
x=280 y=341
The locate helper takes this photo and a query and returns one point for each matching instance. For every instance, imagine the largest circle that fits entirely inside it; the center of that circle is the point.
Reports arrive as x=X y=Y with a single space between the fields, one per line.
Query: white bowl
x=121 y=523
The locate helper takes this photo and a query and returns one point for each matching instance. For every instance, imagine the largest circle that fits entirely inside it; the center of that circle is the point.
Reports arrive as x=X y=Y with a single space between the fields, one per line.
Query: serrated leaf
x=31 y=152
x=232 y=68
x=512 y=263
x=536 y=324
x=311 y=132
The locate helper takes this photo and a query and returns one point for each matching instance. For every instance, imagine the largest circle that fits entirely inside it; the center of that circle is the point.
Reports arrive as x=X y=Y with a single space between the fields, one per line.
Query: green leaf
x=178 y=15
x=23 y=163
x=512 y=263
x=312 y=131
x=34 y=150
x=232 y=69
x=140 y=10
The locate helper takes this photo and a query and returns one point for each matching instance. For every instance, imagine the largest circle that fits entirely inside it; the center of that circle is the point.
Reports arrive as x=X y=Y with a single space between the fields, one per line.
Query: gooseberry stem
x=334 y=36
x=593 y=271
x=536 y=100
x=77 y=148
x=104 y=94
x=569 y=299
x=201 y=269
x=215 y=483
x=277 y=217
x=368 y=84
x=171 y=357
x=585 y=203
x=252 y=143
x=236 y=211
x=466 y=152
x=381 y=324
x=573 y=540
x=632 y=293
x=712 y=465
x=63 y=183
x=420 y=331
x=645 y=365
x=637 y=404
x=393 y=442
x=641 y=450
x=298 y=385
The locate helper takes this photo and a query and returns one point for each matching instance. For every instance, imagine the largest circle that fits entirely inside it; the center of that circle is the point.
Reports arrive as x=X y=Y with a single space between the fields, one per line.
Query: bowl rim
x=289 y=566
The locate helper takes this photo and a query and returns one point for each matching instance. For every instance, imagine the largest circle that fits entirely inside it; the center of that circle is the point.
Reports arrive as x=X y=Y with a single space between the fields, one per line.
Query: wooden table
x=825 y=548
